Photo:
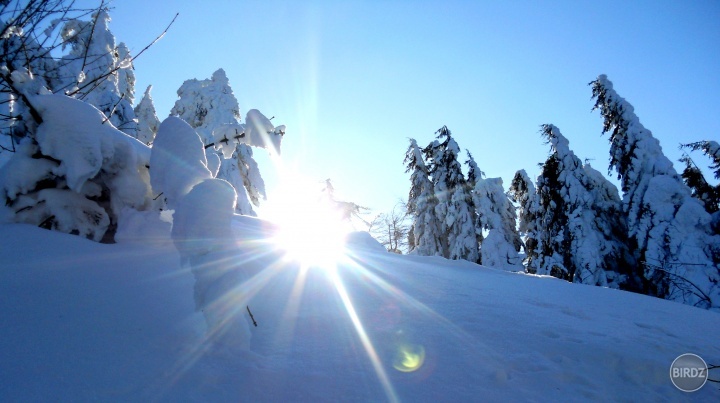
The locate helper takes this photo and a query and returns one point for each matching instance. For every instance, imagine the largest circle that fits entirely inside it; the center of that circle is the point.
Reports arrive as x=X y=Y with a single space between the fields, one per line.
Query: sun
x=310 y=230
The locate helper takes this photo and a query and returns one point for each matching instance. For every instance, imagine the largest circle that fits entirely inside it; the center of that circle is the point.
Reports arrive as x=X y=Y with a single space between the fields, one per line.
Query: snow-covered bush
x=81 y=173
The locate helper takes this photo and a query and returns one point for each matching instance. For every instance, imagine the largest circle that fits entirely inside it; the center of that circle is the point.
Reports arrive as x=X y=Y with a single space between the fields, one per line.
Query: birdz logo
x=689 y=372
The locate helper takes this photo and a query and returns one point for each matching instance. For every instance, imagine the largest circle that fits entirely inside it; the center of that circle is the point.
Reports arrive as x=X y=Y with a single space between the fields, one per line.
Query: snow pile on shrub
x=80 y=175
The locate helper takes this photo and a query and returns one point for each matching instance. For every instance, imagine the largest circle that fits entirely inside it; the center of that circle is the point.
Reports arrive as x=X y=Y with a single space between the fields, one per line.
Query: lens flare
x=409 y=358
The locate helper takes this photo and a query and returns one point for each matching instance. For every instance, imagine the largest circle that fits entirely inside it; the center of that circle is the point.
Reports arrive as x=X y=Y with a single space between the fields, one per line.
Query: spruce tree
x=522 y=191
x=208 y=105
x=669 y=230
x=695 y=180
x=425 y=236
x=582 y=210
x=454 y=208
x=148 y=122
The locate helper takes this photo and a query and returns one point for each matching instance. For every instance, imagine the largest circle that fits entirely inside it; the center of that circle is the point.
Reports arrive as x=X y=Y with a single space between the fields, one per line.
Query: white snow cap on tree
x=177 y=162
x=148 y=122
x=669 y=228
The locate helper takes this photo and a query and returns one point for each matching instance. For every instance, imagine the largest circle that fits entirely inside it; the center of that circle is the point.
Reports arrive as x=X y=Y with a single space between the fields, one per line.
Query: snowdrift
x=85 y=321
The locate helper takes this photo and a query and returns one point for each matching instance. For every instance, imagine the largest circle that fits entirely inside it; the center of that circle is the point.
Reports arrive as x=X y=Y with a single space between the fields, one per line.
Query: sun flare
x=309 y=229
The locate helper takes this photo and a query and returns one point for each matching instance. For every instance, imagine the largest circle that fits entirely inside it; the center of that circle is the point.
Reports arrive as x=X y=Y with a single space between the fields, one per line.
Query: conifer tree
x=454 y=208
x=669 y=230
x=584 y=238
x=522 y=191
x=496 y=215
x=695 y=180
x=148 y=122
x=208 y=105
x=425 y=237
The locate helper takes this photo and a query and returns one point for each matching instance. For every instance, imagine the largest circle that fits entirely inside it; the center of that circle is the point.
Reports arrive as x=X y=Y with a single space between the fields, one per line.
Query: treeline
x=660 y=236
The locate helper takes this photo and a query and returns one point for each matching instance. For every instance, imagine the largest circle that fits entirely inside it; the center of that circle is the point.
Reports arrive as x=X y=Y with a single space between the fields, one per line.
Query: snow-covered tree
x=501 y=246
x=669 y=230
x=148 y=122
x=210 y=107
x=454 y=209
x=522 y=191
x=695 y=180
x=583 y=237
x=78 y=175
x=425 y=228
x=92 y=70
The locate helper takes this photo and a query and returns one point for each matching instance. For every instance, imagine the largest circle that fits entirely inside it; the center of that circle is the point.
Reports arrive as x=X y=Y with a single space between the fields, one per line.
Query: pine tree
x=148 y=122
x=695 y=180
x=582 y=211
x=669 y=230
x=86 y=71
x=425 y=236
x=208 y=105
x=496 y=215
x=522 y=191
x=454 y=208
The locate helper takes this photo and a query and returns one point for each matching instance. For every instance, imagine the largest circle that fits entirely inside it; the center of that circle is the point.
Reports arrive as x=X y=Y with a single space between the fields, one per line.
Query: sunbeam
x=364 y=339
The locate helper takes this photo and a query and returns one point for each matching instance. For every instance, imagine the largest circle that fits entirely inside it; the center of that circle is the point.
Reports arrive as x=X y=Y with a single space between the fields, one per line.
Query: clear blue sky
x=352 y=80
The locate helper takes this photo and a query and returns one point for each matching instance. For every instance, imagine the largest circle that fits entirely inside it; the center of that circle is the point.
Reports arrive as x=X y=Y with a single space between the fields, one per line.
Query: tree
x=210 y=107
x=454 y=209
x=425 y=228
x=148 y=122
x=695 y=180
x=391 y=229
x=669 y=230
x=70 y=169
x=522 y=191
x=496 y=215
x=584 y=237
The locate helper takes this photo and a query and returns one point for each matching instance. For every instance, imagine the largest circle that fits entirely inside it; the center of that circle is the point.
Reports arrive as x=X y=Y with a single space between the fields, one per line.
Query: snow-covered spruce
x=87 y=70
x=522 y=191
x=454 y=209
x=81 y=174
x=669 y=230
x=501 y=246
x=425 y=230
x=583 y=231
x=148 y=122
x=210 y=107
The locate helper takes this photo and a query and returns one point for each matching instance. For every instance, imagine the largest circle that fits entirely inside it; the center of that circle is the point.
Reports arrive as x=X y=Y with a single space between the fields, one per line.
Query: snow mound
x=178 y=161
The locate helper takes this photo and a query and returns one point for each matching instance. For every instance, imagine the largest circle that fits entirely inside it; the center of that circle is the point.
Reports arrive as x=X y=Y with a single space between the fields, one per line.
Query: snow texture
x=83 y=321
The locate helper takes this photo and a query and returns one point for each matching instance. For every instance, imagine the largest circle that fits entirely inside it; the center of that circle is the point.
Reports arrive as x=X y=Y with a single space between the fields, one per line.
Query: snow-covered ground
x=81 y=321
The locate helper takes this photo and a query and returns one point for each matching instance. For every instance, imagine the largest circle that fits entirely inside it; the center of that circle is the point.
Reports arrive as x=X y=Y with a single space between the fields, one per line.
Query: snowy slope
x=82 y=321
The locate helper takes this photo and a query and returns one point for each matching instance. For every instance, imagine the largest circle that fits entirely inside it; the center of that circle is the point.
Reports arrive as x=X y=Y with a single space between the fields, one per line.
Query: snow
x=178 y=161
x=85 y=321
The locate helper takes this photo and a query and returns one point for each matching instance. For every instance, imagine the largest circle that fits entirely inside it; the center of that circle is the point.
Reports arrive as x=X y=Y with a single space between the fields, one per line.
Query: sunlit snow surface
x=82 y=321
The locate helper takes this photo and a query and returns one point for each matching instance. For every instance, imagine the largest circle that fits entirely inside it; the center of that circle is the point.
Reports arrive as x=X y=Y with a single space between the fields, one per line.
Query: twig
x=251 y=316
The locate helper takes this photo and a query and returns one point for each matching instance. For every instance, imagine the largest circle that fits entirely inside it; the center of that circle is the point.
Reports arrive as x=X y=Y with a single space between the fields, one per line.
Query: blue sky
x=352 y=80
